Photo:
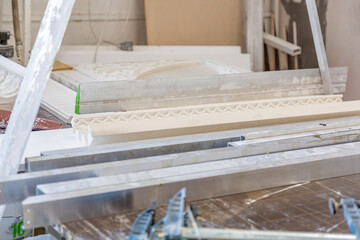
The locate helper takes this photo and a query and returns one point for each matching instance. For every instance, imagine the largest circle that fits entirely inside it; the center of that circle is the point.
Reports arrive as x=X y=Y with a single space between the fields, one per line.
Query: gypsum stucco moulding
x=166 y=122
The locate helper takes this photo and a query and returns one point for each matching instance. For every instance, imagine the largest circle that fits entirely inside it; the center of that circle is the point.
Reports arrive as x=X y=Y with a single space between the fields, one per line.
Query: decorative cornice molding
x=143 y=124
x=81 y=121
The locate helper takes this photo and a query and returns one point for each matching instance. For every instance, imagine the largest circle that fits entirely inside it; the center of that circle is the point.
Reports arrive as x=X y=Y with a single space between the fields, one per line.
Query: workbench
x=301 y=207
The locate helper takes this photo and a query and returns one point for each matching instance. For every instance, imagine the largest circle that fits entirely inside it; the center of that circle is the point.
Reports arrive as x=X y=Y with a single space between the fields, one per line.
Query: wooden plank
x=296 y=58
x=195 y=22
x=255 y=43
x=270 y=28
x=60 y=66
x=319 y=45
x=283 y=58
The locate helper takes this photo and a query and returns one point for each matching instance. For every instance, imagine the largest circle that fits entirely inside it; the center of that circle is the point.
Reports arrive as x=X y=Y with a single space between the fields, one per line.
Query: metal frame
x=275 y=169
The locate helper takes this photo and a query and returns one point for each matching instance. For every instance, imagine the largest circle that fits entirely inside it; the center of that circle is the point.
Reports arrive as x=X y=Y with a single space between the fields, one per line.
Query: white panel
x=41 y=141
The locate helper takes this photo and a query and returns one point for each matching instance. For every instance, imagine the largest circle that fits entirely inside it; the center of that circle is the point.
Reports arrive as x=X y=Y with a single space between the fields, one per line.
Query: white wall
x=79 y=31
x=343 y=41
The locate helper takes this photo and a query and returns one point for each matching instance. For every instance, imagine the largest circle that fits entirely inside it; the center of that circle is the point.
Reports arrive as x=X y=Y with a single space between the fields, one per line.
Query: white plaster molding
x=202 y=118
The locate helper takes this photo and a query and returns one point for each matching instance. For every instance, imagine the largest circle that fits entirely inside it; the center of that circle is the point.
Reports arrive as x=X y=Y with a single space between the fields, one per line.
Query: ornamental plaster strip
x=145 y=124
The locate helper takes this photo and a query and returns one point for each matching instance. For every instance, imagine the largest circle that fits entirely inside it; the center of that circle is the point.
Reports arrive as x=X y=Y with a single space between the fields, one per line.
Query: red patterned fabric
x=39 y=124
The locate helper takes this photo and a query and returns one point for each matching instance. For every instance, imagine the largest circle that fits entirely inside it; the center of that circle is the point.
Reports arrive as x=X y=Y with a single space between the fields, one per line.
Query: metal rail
x=202 y=181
